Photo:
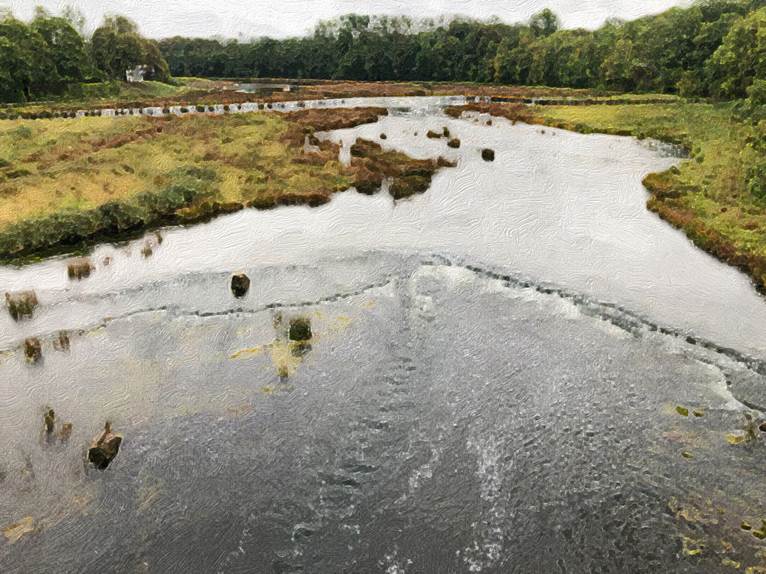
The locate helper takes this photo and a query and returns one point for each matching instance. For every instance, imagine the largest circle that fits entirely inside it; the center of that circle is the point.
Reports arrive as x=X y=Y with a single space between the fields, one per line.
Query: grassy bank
x=708 y=196
x=65 y=183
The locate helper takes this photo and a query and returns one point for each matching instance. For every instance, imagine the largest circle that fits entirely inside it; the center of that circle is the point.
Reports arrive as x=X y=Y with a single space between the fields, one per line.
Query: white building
x=136 y=74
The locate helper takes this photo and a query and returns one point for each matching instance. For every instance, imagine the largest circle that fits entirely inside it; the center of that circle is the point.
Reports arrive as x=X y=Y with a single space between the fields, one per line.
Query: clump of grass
x=61 y=342
x=372 y=165
x=79 y=268
x=33 y=350
x=300 y=329
x=21 y=305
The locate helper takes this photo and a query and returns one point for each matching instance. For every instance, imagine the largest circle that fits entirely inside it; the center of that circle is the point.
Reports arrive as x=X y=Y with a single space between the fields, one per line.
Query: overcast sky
x=248 y=18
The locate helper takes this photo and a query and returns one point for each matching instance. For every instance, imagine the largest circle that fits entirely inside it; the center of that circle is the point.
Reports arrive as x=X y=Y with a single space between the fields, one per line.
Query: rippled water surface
x=491 y=386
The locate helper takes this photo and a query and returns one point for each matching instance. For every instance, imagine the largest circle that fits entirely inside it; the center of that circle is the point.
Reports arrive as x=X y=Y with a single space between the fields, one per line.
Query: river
x=492 y=384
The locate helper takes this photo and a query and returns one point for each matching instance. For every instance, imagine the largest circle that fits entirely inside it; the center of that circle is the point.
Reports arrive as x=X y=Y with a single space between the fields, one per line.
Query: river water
x=492 y=384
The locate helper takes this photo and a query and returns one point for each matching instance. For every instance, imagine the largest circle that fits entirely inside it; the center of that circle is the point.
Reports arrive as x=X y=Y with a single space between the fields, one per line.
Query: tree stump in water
x=104 y=448
x=240 y=284
x=488 y=154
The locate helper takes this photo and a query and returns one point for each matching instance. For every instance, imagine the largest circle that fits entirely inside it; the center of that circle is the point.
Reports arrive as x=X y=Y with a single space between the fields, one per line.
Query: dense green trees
x=49 y=54
x=713 y=48
x=741 y=58
x=117 y=46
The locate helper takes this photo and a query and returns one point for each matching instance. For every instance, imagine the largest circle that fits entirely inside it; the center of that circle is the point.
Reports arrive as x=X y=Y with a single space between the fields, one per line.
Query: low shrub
x=756 y=179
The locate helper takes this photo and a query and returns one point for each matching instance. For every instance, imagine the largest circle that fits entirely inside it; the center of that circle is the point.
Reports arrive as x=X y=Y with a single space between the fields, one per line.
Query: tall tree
x=66 y=46
x=544 y=23
x=26 y=65
x=741 y=58
x=117 y=46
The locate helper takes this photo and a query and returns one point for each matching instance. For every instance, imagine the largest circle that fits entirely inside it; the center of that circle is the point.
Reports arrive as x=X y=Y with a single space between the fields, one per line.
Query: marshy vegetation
x=33 y=350
x=21 y=305
x=372 y=166
x=65 y=183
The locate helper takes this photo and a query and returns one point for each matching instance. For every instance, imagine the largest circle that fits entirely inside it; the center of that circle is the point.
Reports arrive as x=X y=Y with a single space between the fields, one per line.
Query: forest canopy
x=714 y=48
x=49 y=54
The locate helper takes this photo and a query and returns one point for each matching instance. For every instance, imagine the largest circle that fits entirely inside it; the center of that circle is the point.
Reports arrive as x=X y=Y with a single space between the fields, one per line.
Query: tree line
x=50 y=54
x=714 y=48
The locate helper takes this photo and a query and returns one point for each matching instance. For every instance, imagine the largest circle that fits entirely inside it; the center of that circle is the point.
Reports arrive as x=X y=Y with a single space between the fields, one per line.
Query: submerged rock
x=488 y=154
x=33 y=350
x=240 y=284
x=104 y=448
x=21 y=304
x=15 y=531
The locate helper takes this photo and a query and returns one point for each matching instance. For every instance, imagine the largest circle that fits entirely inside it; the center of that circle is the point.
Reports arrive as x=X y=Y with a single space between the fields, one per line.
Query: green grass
x=708 y=195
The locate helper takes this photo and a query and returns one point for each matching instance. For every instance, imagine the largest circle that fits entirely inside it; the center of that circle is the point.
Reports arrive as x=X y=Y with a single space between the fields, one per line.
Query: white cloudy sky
x=247 y=18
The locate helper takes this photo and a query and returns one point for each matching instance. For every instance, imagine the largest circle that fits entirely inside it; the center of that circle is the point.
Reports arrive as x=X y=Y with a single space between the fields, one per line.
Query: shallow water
x=491 y=386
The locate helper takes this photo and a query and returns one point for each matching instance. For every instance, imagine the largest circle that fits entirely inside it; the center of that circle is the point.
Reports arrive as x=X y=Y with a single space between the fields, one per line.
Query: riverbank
x=708 y=196
x=65 y=185
x=50 y=167
x=198 y=93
